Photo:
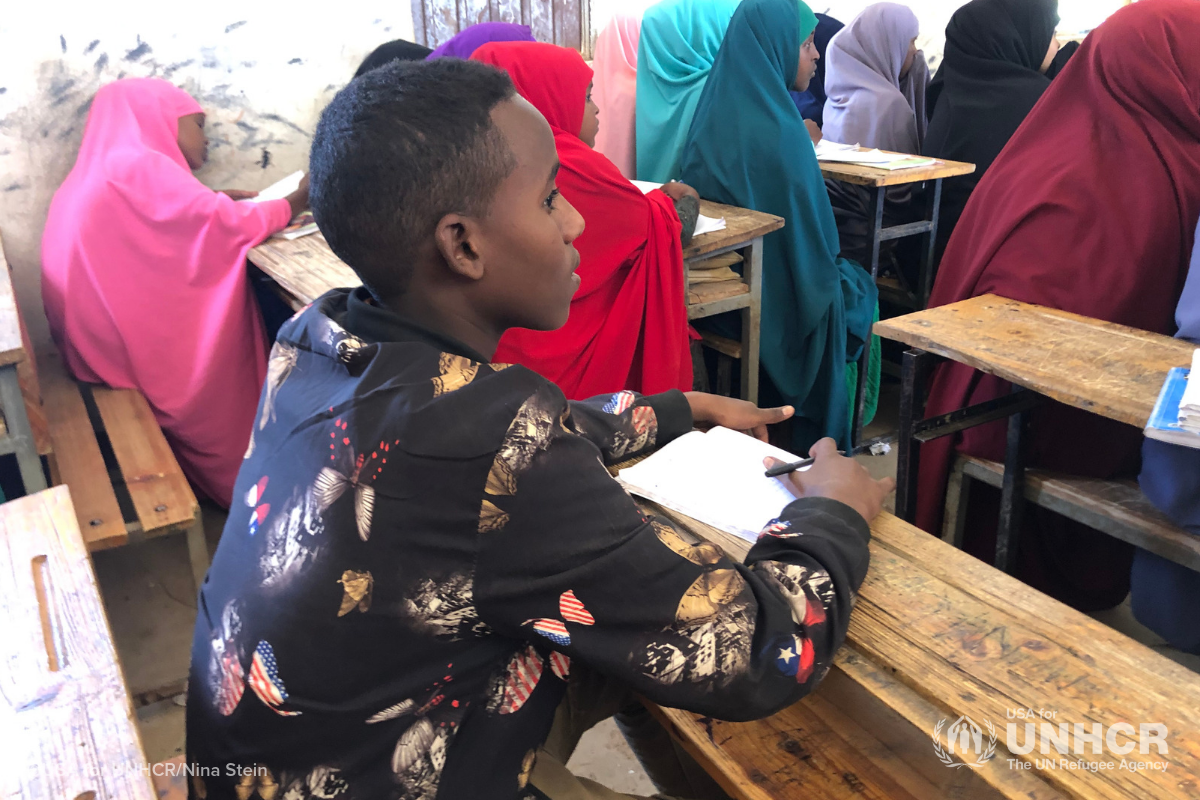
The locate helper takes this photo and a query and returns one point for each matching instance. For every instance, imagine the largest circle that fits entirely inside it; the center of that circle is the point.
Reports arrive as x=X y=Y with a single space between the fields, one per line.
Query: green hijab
x=748 y=147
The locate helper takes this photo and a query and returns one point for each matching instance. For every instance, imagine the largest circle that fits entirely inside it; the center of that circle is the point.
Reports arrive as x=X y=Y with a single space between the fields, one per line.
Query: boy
x=427 y=560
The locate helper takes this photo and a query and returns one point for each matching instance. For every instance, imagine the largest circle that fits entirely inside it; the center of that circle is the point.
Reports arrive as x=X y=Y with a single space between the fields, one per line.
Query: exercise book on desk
x=715 y=477
x=1173 y=419
x=303 y=223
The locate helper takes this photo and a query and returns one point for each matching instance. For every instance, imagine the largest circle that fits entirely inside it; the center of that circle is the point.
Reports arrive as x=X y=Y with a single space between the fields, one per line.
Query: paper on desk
x=280 y=188
x=1189 y=404
x=715 y=477
x=853 y=154
x=703 y=224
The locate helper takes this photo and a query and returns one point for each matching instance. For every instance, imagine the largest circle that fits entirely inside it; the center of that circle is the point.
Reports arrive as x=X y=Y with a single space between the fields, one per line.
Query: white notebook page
x=715 y=477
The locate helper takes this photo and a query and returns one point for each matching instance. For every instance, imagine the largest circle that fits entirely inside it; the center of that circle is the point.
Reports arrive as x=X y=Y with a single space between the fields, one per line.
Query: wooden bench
x=937 y=635
x=1117 y=508
x=106 y=445
x=69 y=727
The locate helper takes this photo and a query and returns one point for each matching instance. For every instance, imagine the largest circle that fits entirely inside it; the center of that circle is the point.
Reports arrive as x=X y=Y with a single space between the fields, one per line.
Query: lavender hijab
x=467 y=41
x=868 y=103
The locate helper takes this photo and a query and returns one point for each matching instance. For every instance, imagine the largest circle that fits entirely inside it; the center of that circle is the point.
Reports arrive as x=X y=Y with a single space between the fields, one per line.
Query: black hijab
x=396 y=50
x=987 y=84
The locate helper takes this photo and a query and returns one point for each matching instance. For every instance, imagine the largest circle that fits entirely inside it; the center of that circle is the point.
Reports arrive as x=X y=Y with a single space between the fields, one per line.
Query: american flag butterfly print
x=512 y=688
x=619 y=403
x=265 y=681
x=571 y=609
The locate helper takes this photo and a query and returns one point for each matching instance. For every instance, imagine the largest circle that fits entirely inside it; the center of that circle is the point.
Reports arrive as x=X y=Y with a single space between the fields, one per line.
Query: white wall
x=262 y=70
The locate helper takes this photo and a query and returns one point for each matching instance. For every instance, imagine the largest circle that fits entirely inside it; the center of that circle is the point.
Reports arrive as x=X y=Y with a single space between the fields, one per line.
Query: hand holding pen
x=837 y=477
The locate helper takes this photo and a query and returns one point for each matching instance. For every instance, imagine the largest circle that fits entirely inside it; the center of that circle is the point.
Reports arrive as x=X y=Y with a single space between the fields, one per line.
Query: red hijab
x=628 y=323
x=1090 y=208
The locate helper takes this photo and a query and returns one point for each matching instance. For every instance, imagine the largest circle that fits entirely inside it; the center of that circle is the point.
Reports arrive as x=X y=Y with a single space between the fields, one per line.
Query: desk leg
x=1012 y=493
x=752 y=321
x=878 y=194
x=912 y=407
x=929 y=244
x=13 y=403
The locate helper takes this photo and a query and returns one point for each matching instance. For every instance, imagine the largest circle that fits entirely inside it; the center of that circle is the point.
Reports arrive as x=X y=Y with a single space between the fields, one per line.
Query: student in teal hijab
x=679 y=41
x=748 y=147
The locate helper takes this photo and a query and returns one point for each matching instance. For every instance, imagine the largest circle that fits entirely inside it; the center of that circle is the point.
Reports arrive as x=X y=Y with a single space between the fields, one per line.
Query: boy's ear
x=458 y=239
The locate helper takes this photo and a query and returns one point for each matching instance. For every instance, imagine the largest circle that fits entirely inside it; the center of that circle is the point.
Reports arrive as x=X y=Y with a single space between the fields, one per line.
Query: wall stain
x=138 y=52
x=287 y=122
x=101 y=62
x=265 y=161
x=169 y=71
x=12 y=187
x=209 y=55
x=249 y=64
x=296 y=61
x=63 y=41
x=234 y=26
x=91 y=46
x=246 y=126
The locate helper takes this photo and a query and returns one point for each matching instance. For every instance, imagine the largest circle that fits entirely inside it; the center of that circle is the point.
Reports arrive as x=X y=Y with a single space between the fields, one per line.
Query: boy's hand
x=239 y=194
x=838 y=478
x=740 y=415
x=677 y=191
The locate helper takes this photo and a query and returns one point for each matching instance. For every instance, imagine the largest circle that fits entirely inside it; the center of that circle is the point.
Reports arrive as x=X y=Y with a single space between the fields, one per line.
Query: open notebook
x=715 y=477
x=302 y=224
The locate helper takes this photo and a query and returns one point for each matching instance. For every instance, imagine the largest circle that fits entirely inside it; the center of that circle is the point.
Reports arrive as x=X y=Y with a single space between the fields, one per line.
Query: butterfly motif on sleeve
x=356 y=591
x=279 y=367
x=571 y=609
x=256 y=781
x=265 y=681
x=332 y=483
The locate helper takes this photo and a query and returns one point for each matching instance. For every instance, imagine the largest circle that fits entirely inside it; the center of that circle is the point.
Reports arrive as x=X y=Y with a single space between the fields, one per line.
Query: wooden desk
x=305 y=268
x=70 y=728
x=878 y=180
x=1110 y=370
x=17 y=436
x=935 y=635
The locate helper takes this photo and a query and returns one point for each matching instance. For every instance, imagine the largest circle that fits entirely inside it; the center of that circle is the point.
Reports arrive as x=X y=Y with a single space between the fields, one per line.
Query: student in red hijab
x=1089 y=209
x=628 y=325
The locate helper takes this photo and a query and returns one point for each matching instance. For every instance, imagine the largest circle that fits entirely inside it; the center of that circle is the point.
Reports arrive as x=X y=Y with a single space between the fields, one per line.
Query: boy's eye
x=549 y=203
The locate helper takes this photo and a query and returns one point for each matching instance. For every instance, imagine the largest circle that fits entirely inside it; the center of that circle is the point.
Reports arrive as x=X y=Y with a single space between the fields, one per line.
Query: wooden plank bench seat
x=937 y=635
x=1117 y=508
x=69 y=727
x=109 y=449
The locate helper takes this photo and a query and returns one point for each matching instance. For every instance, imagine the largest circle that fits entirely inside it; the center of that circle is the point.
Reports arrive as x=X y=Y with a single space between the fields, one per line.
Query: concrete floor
x=150 y=599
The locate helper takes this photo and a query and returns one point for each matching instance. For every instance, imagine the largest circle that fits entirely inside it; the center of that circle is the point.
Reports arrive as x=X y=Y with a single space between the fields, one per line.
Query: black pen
x=875 y=447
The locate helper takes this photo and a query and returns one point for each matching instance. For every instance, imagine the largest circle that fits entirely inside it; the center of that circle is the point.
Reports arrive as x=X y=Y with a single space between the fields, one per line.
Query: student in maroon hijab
x=1091 y=209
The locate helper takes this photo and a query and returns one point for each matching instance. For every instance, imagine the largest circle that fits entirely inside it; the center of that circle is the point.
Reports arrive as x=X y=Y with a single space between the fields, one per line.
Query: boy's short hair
x=398 y=149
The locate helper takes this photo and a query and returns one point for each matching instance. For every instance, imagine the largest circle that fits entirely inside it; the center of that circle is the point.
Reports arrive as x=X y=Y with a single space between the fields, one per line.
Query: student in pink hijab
x=144 y=275
x=615 y=92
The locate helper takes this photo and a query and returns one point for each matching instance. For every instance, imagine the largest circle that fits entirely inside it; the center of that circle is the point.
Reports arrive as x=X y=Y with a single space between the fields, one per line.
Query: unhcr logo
x=964 y=739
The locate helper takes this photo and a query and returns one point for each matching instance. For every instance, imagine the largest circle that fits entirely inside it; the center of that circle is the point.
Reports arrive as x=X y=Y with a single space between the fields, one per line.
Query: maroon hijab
x=1090 y=208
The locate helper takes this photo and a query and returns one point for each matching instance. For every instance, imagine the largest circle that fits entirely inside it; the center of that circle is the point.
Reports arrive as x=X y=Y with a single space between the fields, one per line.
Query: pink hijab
x=615 y=90
x=144 y=279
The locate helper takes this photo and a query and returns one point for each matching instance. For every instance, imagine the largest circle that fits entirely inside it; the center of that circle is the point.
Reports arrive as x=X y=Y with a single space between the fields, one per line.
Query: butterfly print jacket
x=421 y=545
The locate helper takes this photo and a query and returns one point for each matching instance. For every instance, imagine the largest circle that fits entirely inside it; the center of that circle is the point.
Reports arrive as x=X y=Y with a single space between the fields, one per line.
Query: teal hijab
x=679 y=41
x=748 y=147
